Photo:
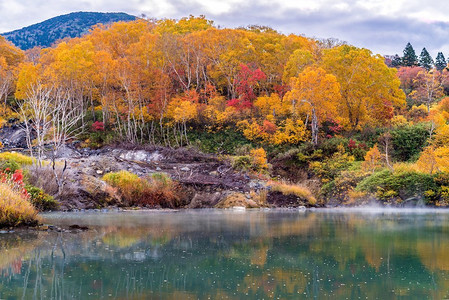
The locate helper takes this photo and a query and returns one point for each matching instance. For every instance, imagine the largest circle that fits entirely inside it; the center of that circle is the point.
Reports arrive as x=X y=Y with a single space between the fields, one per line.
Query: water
x=211 y=254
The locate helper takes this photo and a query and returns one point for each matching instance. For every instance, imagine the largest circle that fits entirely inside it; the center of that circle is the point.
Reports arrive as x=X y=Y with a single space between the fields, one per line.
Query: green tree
x=396 y=61
x=410 y=59
x=425 y=60
x=440 y=62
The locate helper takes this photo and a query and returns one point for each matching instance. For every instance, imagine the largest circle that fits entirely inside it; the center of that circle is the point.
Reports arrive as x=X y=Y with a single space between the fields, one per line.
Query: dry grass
x=15 y=209
x=293 y=189
x=44 y=178
x=234 y=199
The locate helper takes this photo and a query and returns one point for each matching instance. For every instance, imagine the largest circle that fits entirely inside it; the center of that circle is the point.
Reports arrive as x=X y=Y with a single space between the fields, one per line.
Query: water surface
x=216 y=254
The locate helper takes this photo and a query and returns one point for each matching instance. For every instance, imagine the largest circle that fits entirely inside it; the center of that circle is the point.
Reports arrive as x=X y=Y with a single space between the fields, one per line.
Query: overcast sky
x=384 y=26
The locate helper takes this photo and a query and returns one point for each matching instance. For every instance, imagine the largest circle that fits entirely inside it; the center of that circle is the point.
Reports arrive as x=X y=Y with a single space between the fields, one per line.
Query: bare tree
x=35 y=112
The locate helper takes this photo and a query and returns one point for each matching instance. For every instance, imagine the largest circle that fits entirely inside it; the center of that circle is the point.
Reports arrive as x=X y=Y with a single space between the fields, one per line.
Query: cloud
x=380 y=25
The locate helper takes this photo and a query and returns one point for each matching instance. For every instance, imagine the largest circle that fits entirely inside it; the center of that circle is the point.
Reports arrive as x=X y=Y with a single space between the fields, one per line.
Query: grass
x=157 y=189
x=15 y=208
x=293 y=189
x=16 y=157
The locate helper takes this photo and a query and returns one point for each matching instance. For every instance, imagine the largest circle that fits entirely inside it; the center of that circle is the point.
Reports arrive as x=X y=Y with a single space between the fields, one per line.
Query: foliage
x=15 y=206
x=408 y=141
x=373 y=159
x=403 y=184
x=41 y=200
x=354 y=67
x=259 y=161
x=341 y=188
x=158 y=189
x=330 y=168
x=14 y=157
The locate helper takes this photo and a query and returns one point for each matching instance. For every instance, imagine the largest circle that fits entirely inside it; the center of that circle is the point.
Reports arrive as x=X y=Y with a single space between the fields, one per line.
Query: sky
x=383 y=26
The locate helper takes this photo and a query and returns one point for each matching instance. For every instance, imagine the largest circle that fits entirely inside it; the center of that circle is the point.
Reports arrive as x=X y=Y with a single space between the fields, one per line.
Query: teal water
x=213 y=254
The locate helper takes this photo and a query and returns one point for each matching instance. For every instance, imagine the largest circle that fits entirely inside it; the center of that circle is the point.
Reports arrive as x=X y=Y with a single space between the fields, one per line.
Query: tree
x=369 y=89
x=373 y=159
x=407 y=76
x=409 y=59
x=319 y=91
x=440 y=62
x=396 y=62
x=428 y=87
x=425 y=60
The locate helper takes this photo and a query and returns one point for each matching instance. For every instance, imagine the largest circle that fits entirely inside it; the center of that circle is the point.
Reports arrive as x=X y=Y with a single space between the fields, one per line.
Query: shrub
x=222 y=141
x=292 y=189
x=330 y=168
x=41 y=200
x=18 y=158
x=157 y=189
x=259 y=161
x=342 y=187
x=241 y=163
x=405 y=183
x=408 y=141
x=15 y=207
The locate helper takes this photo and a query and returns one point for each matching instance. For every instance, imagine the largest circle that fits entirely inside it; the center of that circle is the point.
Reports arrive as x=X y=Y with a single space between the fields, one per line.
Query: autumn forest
x=278 y=106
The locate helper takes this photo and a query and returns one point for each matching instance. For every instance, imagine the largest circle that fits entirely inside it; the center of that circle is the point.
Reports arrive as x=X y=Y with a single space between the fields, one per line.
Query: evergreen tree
x=396 y=61
x=425 y=60
x=440 y=62
x=410 y=59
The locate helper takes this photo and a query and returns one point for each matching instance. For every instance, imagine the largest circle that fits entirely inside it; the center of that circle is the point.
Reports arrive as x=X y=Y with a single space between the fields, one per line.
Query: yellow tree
x=369 y=89
x=429 y=87
x=434 y=160
x=10 y=58
x=373 y=159
x=319 y=92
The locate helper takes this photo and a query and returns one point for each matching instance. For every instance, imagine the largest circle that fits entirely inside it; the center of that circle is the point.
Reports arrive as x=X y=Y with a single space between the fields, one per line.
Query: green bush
x=405 y=184
x=225 y=141
x=241 y=163
x=330 y=168
x=41 y=200
x=339 y=188
x=10 y=164
x=408 y=141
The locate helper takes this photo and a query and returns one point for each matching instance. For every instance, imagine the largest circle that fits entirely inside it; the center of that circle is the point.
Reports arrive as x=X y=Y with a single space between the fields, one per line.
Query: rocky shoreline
x=204 y=180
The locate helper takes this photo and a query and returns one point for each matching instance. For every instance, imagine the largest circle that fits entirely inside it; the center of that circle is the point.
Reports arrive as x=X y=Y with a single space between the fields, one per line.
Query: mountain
x=72 y=25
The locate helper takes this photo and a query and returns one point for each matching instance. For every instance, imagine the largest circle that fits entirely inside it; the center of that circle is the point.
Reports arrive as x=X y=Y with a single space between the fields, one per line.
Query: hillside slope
x=75 y=24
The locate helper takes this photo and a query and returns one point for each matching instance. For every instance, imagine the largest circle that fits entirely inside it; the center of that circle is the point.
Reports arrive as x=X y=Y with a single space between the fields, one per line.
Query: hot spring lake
x=222 y=254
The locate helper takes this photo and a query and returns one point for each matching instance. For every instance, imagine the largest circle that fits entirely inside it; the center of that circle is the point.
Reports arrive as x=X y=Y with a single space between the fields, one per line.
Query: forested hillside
x=72 y=25
x=336 y=113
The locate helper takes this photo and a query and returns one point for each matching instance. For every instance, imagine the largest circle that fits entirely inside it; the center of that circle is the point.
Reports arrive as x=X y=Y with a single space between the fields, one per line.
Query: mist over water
x=339 y=253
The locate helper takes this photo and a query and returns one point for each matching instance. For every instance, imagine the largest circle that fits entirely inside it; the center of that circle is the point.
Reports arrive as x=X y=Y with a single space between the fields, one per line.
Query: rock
x=158 y=169
x=185 y=169
x=238 y=208
x=141 y=155
x=75 y=226
x=204 y=200
x=257 y=185
x=43 y=228
x=251 y=203
x=99 y=172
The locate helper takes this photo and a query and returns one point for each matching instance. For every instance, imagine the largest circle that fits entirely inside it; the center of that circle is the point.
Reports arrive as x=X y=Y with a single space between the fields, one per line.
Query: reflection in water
x=231 y=255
